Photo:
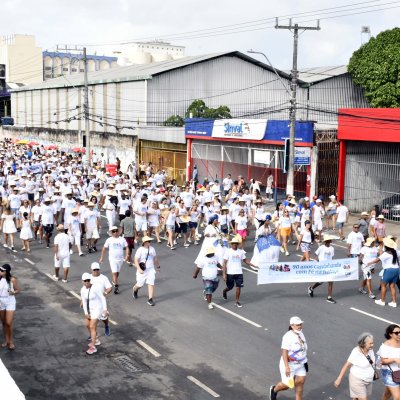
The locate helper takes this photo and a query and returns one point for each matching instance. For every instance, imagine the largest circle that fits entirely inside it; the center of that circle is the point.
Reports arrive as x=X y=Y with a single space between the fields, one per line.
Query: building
x=149 y=52
x=369 y=161
x=56 y=64
x=22 y=58
x=136 y=100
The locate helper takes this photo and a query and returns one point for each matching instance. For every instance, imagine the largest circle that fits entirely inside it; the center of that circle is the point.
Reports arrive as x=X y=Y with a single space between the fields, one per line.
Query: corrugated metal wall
x=372 y=175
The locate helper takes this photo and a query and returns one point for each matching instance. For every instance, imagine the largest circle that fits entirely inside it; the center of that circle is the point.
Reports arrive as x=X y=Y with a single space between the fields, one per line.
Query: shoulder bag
x=142 y=265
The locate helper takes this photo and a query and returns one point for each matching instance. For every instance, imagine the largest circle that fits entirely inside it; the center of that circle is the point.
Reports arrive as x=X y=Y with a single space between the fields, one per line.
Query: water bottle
x=378 y=363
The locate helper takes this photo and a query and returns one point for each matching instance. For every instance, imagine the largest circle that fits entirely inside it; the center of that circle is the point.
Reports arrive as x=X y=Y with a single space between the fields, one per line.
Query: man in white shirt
x=232 y=270
x=47 y=219
x=317 y=213
x=62 y=247
x=342 y=213
x=355 y=242
x=115 y=246
x=227 y=183
x=187 y=196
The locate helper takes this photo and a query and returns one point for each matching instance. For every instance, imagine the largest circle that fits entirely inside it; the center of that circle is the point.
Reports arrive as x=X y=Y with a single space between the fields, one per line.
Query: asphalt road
x=167 y=351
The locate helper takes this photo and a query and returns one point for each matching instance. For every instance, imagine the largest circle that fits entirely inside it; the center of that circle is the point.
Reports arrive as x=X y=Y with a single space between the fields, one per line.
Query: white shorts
x=92 y=234
x=295 y=370
x=95 y=313
x=141 y=226
x=7 y=303
x=116 y=265
x=148 y=277
x=62 y=262
x=75 y=239
x=366 y=272
x=317 y=226
x=268 y=190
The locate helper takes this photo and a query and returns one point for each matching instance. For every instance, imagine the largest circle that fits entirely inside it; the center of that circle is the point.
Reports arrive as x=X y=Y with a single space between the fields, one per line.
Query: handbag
x=395 y=375
x=142 y=265
x=376 y=374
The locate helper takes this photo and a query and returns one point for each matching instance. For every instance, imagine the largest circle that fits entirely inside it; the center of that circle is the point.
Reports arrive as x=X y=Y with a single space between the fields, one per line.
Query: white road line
x=48 y=275
x=339 y=245
x=311 y=259
x=112 y=321
x=29 y=261
x=203 y=386
x=75 y=294
x=238 y=316
x=373 y=316
x=148 y=348
x=250 y=270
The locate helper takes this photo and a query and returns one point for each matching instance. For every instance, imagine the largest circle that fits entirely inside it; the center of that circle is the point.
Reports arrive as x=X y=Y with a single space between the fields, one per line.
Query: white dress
x=8 y=223
x=26 y=232
x=215 y=241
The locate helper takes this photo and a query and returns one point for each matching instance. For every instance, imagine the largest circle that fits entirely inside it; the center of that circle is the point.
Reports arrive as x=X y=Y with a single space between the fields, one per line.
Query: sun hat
x=369 y=241
x=60 y=227
x=74 y=210
x=295 y=321
x=364 y=214
x=380 y=216
x=389 y=243
x=114 y=228
x=235 y=240
x=209 y=251
x=146 y=239
x=328 y=237
x=91 y=204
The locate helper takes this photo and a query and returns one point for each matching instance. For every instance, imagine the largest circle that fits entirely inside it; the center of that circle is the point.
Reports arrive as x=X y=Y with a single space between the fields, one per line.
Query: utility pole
x=293 y=91
x=86 y=109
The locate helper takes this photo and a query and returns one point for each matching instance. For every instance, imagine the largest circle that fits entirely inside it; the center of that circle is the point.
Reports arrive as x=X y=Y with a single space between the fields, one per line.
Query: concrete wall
x=111 y=144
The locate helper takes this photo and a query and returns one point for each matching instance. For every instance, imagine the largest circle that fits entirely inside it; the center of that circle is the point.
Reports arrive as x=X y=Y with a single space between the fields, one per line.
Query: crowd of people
x=46 y=190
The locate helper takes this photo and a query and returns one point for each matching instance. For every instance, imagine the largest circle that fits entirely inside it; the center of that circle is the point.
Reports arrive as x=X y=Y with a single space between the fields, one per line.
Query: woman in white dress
x=26 y=232
x=8 y=227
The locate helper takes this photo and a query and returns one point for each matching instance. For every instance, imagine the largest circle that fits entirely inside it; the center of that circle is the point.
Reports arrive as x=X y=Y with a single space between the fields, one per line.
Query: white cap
x=306 y=198
x=86 y=276
x=95 y=265
x=295 y=321
x=318 y=201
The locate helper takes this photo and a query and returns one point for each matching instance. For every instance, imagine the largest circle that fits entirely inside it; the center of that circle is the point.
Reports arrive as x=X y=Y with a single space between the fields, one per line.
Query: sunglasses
x=95 y=269
x=114 y=231
x=396 y=332
x=86 y=280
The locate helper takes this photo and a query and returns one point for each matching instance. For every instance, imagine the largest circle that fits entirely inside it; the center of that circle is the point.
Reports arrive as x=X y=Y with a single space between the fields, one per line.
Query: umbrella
x=22 y=141
x=14 y=140
x=33 y=144
x=51 y=147
x=79 y=150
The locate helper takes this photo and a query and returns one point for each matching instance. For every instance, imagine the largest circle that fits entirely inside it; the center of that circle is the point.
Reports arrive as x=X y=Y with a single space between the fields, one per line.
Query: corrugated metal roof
x=317 y=74
x=139 y=71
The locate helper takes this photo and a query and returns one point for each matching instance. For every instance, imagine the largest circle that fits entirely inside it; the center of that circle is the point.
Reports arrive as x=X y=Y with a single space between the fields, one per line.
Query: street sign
x=302 y=156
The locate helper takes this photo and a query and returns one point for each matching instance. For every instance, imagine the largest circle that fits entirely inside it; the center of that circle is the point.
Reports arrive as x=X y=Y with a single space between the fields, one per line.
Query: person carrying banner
x=324 y=253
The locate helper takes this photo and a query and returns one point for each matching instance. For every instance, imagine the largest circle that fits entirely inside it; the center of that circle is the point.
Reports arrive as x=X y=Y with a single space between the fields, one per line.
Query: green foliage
x=198 y=109
x=174 y=120
x=375 y=67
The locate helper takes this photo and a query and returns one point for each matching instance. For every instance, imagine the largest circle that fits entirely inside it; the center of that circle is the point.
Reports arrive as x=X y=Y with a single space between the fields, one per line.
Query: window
x=47 y=76
x=81 y=70
x=47 y=68
x=74 y=70
x=65 y=69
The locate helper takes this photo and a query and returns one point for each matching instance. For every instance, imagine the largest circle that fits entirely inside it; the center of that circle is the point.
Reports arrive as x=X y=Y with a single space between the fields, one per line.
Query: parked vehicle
x=390 y=207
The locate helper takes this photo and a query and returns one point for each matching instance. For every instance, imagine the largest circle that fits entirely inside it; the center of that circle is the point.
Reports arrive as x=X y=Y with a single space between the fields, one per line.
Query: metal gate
x=373 y=177
x=328 y=162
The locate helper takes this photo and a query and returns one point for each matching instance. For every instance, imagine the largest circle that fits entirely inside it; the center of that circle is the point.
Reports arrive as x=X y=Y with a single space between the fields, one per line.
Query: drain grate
x=126 y=363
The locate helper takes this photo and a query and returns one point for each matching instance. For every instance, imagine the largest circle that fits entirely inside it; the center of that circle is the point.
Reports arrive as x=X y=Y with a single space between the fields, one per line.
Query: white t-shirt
x=234 y=261
x=387 y=261
x=62 y=240
x=318 y=212
x=325 y=253
x=91 y=219
x=227 y=183
x=369 y=254
x=296 y=345
x=341 y=212
x=355 y=240
x=141 y=255
x=241 y=222
x=209 y=268
x=48 y=215
x=101 y=281
x=116 y=248
x=361 y=367
x=306 y=236
x=386 y=351
x=187 y=198
x=284 y=222
x=37 y=212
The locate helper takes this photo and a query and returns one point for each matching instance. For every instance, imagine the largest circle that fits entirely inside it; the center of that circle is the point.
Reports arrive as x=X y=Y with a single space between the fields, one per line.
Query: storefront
x=369 y=160
x=253 y=148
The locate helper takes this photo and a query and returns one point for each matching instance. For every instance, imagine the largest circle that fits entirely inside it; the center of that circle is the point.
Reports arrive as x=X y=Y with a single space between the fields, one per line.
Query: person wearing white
x=293 y=365
x=92 y=224
x=362 y=368
x=145 y=261
x=368 y=253
x=317 y=213
x=62 y=247
x=67 y=205
x=116 y=246
x=140 y=211
x=94 y=306
x=103 y=283
x=342 y=216
x=48 y=220
x=75 y=230
x=355 y=242
x=324 y=252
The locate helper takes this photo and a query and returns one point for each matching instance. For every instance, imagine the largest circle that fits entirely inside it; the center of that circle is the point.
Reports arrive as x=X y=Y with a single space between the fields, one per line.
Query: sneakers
x=380 y=302
x=168 y=245
x=71 y=252
x=310 y=291
x=81 y=254
x=371 y=296
x=95 y=249
x=64 y=281
x=107 y=331
x=55 y=278
x=150 y=302
x=392 y=304
x=272 y=393
x=282 y=250
x=238 y=304
x=135 y=294
x=189 y=241
x=186 y=245
x=196 y=242
x=224 y=296
x=330 y=300
x=97 y=343
x=91 y=350
x=210 y=306
x=173 y=248
x=287 y=253
x=175 y=243
x=362 y=291
x=116 y=289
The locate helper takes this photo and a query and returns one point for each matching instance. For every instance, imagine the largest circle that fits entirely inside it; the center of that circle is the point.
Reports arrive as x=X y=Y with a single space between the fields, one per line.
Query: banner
x=249 y=129
x=308 y=271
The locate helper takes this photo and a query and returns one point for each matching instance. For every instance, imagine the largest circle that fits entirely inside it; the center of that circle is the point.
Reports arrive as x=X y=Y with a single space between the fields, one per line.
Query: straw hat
x=146 y=239
x=389 y=243
x=369 y=241
x=380 y=216
x=236 y=239
x=209 y=251
x=74 y=210
x=364 y=214
x=328 y=237
x=185 y=218
x=224 y=208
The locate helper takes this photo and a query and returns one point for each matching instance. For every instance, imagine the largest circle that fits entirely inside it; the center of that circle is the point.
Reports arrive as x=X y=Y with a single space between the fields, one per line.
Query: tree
x=375 y=67
x=198 y=109
x=174 y=120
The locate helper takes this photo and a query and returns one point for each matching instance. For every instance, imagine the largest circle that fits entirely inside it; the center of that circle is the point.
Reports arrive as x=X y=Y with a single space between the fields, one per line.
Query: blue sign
x=199 y=127
x=302 y=156
x=280 y=130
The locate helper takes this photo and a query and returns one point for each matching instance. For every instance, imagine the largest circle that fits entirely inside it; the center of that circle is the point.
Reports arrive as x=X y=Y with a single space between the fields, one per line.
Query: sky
x=102 y=25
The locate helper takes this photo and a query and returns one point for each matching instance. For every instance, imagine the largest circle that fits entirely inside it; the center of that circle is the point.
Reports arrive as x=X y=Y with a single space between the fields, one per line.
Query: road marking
x=111 y=321
x=338 y=245
x=238 y=316
x=203 y=386
x=74 y=294
x=250 y=270
x=48 y=275
x=148 y=348
x=373 y=316
x=29 y=261
x=311 y=259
